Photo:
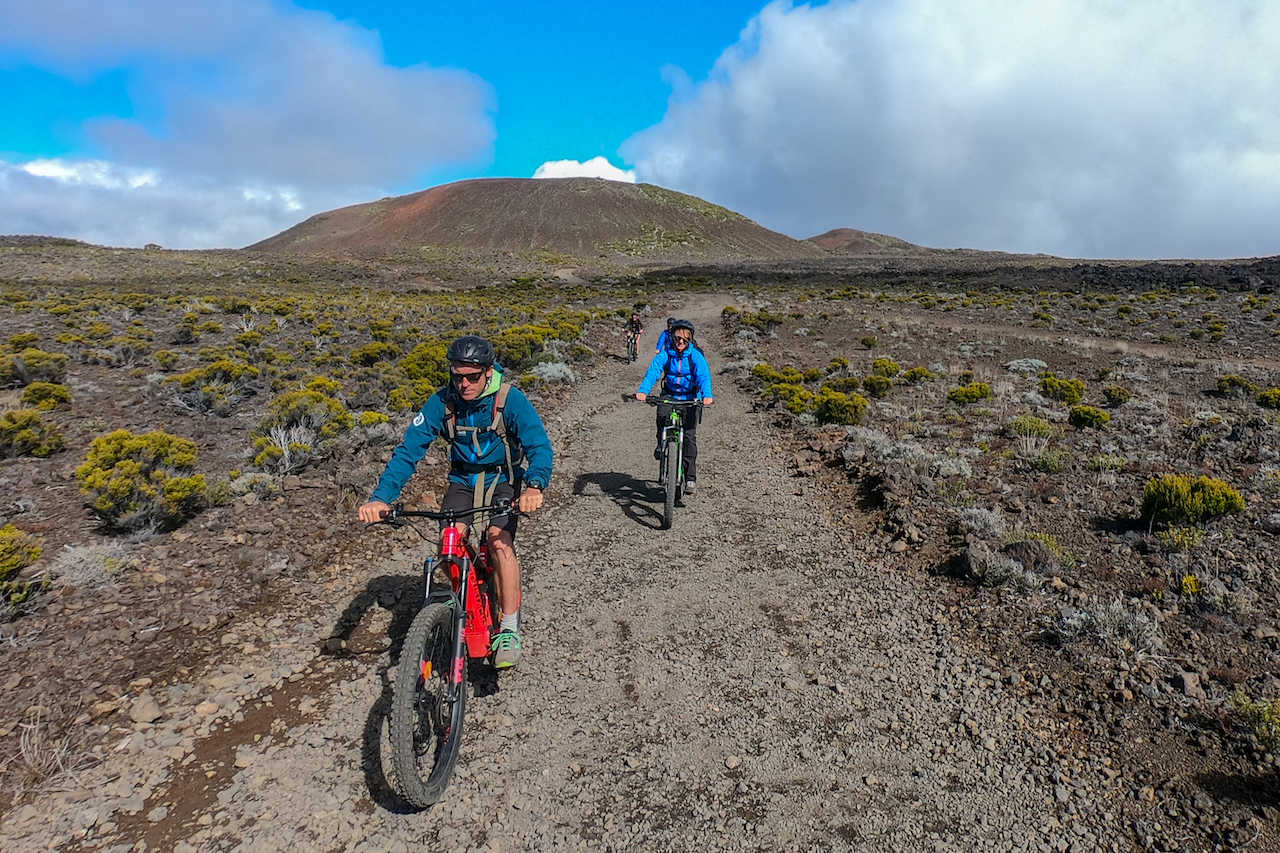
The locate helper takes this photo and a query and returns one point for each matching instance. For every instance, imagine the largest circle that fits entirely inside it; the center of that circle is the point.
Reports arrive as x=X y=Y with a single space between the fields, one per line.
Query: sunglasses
x=468 y=376
x=683 y=339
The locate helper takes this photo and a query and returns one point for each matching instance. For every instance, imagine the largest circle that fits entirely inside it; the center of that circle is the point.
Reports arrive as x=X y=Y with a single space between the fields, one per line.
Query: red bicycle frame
x=477 y=617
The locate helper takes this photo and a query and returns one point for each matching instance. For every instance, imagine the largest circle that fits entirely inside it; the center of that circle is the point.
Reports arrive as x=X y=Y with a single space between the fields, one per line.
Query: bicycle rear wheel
x=426 y=727
x=670 y=475
x=631 y=348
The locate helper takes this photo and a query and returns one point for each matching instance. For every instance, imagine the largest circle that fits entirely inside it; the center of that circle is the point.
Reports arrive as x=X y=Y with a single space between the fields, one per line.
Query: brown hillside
x=586 y=218
x=851 y=241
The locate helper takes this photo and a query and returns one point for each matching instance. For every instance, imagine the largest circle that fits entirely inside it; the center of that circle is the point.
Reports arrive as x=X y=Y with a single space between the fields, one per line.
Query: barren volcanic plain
x=983 y=554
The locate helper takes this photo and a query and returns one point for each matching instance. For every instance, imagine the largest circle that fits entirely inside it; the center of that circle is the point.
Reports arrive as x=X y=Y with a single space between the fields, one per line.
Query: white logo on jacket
x=419 y=420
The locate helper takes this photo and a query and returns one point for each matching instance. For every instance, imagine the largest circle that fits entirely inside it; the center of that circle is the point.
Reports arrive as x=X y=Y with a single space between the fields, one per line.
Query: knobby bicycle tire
x=426 y=729
x=671 y=476
x=631 y=348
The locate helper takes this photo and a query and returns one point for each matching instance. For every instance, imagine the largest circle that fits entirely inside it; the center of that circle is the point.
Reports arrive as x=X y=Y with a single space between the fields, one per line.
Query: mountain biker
x=492 y=430
x=664 y=339
x=635 y=326
x=685 y=376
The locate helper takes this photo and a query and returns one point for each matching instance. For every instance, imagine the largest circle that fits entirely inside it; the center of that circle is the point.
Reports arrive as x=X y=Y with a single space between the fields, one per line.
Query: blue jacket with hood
x=524 y=431
x=686 y=375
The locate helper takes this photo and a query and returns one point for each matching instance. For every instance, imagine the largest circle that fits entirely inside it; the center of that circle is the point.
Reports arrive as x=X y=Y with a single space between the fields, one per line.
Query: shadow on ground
x=638 y=500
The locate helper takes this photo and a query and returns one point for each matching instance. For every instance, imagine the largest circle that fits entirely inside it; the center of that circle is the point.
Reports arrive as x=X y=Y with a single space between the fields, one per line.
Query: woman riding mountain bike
x=685 y=377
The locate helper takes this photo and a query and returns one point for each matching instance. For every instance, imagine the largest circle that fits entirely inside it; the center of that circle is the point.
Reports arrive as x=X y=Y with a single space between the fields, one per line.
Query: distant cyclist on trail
x=664 y=339
x=635 y=326
x=492 y=430
x=685 y=376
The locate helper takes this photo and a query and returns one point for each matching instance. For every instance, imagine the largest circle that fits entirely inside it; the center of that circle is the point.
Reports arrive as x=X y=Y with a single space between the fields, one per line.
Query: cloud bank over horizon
x=1147 y=128
x=260 y=114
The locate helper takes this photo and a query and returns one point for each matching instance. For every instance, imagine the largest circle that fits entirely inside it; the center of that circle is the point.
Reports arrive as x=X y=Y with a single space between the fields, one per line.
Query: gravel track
x=753 y=678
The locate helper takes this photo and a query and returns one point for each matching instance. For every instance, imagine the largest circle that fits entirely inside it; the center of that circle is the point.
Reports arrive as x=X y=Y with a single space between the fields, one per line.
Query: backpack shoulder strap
x=450 y=420
x=499 y=405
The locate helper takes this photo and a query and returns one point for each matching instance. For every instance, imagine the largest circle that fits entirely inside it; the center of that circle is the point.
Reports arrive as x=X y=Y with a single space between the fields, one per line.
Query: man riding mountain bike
x=685 y=376
x=493 y=430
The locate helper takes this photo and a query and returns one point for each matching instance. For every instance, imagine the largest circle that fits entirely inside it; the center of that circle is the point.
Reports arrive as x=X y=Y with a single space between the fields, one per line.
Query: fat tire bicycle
x=671 y=471
x=456 y=623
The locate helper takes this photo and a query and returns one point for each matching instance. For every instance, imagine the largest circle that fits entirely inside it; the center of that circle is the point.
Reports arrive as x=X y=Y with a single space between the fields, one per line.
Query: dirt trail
x=751 y=679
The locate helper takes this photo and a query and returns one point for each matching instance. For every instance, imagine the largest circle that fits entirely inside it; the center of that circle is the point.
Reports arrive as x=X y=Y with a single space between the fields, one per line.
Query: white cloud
x=250 y=94
x=596 y=167
x=113 y=205
x=1095 y=128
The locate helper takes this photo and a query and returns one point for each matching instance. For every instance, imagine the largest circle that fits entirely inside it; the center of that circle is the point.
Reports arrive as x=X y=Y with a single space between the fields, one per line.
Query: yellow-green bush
x=1088 y=417
x=299 y=427
x=886 y=367
x=1269 y=399
x=374 y=352
x=918 y=374
x=1263 y=716
x=17 y=551
x=32 y=365
x=1116 y=395
x=1069 y=391
x=24 y=433
x=1181 y=498
x=876 y=385
x=45 y=395
x=971 y=393
x=796 y=398
x=844 y=384
x=787 y=375
x=428 y=361
x=834 y=407
x=371 y=419
x=223 y=370
x=1233 y=385
x=22 y=340
x=133 y=481
x=517 y=346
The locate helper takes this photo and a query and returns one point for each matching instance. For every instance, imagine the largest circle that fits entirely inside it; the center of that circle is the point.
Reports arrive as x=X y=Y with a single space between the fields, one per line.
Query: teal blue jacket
x=525 y=431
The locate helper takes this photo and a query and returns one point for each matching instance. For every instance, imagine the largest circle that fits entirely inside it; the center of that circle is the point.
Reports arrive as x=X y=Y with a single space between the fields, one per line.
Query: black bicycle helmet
x=471 y=349
x=682 y=324
x=670 y=321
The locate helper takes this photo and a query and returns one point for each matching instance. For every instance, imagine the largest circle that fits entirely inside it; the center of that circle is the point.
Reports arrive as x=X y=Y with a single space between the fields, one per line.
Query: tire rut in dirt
x=420 y=709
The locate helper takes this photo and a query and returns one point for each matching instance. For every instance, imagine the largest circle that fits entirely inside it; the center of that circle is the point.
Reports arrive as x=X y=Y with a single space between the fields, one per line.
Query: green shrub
x=1263 y=716
x=428 y=361
x=45 y=395
x=971 y=393
x=1180 y=538
x=165 y=358
x=869 y=341
x=374 y=352
x=1107 y=462
x=834 y=407
x=1269 y=399
x=1088 y=417
x=1029 y=426
x=886 y=367
x=844 y=384
x=1232 y=385
x=787 y=375
x=134 y=481
x=32 y=365
x=1180 y=498
x=1049 y=462
x=299 y=427
x=1069 y=391
x=24 y=433
x=837 y=364
x=22 y=340
x=1116 y=395
x=17 y=551
x=796 y=398
x=876 y=385
x=371 y=419
x=918 y=374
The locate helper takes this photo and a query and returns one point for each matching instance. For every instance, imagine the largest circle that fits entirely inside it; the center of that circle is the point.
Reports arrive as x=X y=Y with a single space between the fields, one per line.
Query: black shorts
x=459 y=497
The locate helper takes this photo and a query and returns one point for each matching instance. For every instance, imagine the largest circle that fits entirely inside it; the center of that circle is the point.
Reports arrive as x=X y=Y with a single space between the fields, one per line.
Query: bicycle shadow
x=636 y=498
x=401 y=595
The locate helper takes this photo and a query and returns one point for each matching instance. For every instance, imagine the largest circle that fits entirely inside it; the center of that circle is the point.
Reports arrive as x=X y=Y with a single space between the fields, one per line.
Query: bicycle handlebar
x=669 y=401
x=449 y=515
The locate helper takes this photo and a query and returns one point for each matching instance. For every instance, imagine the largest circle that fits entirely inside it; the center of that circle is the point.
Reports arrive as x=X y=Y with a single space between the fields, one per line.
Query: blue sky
x=1085 y=128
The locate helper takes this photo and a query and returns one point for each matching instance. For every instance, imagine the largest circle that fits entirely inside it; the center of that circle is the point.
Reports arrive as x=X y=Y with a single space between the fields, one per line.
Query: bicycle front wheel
x=426 y=725
x=670 y=475
x=631 y=348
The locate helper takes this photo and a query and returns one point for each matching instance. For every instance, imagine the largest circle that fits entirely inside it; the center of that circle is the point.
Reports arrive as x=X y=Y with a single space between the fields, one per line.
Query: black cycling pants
x=691 y=418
